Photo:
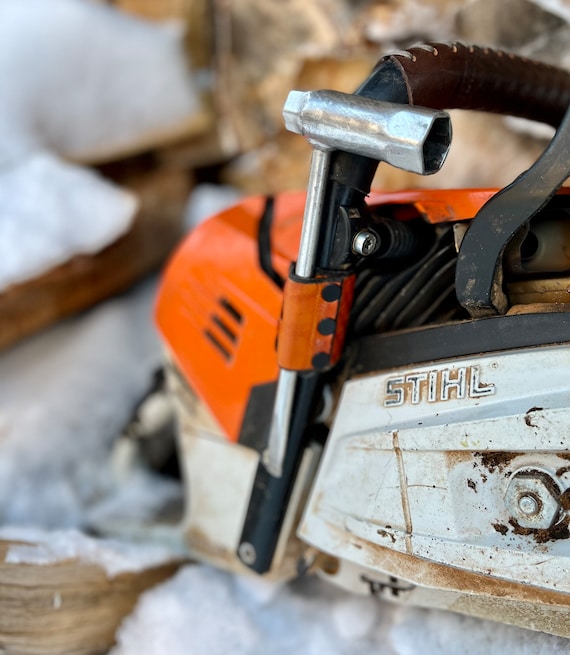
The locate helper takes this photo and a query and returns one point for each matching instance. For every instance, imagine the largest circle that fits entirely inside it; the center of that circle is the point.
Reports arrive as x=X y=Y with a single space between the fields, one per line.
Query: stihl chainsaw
x=376 y=386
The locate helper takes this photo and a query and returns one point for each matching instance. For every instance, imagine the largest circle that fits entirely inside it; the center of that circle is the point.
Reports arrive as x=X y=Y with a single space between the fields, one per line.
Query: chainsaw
x=374 y=386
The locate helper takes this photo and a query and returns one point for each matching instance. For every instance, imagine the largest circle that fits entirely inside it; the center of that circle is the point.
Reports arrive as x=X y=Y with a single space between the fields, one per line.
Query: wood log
x=70 y=606
x=88 y=279
x=155 y=9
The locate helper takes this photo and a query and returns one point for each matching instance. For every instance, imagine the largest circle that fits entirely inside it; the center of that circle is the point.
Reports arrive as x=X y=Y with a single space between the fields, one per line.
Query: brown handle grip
x=456 y=76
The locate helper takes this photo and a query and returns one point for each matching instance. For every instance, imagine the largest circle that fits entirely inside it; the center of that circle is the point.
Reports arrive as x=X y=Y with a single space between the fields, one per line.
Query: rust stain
x=472 y=485
x=500 y=527
x=495 y=460
x=528 y=416
x=432 y=574
x=330 y=565
x=562 y=470
x=555 y=533
x=549 y=609
x=455 y=457
x=199 y=542
x=564 y=499
x=387 y=535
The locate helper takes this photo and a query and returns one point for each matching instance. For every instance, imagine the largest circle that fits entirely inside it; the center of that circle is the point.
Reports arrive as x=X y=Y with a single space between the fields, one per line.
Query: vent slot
x=224 y=329
x=230 y=334
x=219 y=346
x=231 y=310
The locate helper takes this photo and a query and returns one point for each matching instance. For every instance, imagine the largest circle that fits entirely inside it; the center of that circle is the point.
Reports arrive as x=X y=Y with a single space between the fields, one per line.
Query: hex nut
x=532 y=499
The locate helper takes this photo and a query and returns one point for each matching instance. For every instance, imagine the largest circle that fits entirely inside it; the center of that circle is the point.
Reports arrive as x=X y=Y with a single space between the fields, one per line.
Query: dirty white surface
x=64 y=395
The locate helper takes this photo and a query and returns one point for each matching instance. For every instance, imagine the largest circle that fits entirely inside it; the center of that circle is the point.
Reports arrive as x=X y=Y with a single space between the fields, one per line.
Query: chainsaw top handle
x=456 y=76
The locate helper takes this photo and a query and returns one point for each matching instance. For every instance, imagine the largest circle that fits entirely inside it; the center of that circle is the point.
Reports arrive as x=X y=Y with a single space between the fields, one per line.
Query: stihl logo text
x=436 y=386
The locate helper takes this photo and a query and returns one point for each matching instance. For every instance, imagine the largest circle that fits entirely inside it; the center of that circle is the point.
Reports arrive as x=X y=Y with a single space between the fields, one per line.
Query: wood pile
x=258 y=50
x=254 y=52
x=87 y=279
x=70 y=606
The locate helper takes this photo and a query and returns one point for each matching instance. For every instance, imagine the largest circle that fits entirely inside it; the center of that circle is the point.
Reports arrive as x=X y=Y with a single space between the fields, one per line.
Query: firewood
x=85 y=280
x=69 y=606
x=155 y=9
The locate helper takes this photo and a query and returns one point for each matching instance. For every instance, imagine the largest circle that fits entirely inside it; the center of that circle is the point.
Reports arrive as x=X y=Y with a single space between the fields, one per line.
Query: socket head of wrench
x=415 y=139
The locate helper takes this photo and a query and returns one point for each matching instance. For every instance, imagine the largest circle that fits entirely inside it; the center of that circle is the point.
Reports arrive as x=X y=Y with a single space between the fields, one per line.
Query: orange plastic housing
x=218 y=312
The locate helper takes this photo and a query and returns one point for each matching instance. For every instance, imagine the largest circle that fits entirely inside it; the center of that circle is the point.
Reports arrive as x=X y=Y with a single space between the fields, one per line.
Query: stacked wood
x=155 y=9
x=70 y=606
x=131 y=104
x=254 y=52
x=87 y=279
x=258 y=50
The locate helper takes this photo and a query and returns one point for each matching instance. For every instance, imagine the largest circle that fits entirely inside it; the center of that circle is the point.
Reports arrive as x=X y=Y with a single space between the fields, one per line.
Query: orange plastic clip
x=314 y=321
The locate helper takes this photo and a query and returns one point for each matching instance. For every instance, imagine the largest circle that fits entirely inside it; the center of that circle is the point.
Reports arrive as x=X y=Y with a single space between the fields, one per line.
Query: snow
x=49 y=547
x=85 y=82
x=202 y=611
x=64 y=396
x=46 y=218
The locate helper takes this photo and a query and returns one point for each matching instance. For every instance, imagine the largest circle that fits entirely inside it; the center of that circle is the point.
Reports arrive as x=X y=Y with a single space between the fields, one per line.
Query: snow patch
x=354 y=617
x=51 y=547
x=65 y=396
x=195 y=613
x=87 y=81
x=79 y=80
x=51 y=210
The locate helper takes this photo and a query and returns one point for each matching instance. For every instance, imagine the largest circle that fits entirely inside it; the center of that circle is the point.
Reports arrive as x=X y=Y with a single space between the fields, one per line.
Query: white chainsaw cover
x=452 y=475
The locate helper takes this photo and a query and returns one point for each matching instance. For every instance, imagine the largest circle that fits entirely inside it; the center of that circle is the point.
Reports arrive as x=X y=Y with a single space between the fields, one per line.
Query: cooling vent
x=224 y=329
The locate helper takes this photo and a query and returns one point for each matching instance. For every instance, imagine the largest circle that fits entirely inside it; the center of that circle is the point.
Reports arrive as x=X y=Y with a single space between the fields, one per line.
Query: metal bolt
x=365 y=242
x=529 y=505
x=532 y=498
x=247 y=554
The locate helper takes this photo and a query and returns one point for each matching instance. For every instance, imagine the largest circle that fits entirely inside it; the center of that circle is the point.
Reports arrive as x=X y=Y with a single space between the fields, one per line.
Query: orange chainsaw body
x=218 y=312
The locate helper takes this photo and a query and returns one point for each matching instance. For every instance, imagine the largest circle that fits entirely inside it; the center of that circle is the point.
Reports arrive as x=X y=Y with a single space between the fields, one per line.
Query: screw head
x=529 y=505
x=247 y=554
x=365 y=242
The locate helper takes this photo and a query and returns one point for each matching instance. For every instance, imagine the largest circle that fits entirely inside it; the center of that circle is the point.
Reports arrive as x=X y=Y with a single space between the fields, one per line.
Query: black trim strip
x=264 y=242
x=270 y=496
x=256 y=423
x=396 y=349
